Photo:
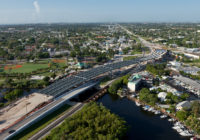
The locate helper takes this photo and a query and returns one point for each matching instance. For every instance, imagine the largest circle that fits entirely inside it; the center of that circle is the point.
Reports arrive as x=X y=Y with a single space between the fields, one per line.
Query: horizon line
x=141 y=22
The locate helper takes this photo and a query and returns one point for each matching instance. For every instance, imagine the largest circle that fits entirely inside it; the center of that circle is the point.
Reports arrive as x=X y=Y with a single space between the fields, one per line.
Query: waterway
x=143 y=125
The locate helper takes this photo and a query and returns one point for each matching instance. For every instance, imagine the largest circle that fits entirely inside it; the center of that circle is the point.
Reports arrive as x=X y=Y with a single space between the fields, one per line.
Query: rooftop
x=135 y=78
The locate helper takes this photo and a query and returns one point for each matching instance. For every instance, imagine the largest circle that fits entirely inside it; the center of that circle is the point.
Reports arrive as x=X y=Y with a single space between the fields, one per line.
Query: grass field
x=28 y=67
x=129 y=58
x=135 y=52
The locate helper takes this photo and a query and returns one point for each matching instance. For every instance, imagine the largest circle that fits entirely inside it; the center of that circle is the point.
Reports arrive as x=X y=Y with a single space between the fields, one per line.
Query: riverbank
x=143 y=125
x=161 y=110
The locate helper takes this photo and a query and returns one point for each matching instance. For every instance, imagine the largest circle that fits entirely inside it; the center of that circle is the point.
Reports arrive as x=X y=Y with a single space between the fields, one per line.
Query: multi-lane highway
x=20 y=126
x=55 y=123
x=58 y=88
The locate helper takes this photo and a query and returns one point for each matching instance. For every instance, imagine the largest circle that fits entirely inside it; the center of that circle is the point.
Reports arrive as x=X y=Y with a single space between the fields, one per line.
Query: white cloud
x=37 y=7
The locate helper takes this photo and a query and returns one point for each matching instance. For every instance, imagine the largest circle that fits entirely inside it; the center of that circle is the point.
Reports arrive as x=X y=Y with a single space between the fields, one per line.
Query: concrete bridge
x=35 y=117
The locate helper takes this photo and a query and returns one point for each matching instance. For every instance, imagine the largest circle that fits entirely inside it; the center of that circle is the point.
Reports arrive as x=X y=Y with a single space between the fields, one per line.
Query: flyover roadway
x=19 y=127
x=61 y=90
x=58 y=88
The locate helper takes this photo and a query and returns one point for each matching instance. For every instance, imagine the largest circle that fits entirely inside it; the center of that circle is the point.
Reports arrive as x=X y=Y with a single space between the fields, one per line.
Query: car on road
x=11 y=131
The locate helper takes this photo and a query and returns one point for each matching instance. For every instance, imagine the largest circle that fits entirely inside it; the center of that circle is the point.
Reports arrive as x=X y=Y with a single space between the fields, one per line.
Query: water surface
x=143 y=125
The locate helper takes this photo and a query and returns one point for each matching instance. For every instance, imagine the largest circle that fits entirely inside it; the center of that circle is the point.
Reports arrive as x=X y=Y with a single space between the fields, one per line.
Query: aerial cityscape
x=99 y=70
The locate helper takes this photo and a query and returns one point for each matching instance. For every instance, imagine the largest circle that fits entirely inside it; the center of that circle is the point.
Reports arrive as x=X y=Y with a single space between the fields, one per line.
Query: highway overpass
x=63 y=89
x=38 y=115
x=58 y=88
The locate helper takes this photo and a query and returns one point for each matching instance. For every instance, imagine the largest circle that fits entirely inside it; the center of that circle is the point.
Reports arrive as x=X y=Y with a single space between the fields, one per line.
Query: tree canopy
x=117 y=84
x=92 y=122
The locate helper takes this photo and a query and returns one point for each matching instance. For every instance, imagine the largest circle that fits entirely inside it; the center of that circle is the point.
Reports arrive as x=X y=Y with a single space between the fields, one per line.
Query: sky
x=71 y=11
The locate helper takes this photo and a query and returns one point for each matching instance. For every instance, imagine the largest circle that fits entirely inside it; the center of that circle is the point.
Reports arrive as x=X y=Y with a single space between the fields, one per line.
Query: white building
x=37 y=77
x=184 y=104
x=191 y=55
x=162 y=96
x=175 y=63
x=134 y=82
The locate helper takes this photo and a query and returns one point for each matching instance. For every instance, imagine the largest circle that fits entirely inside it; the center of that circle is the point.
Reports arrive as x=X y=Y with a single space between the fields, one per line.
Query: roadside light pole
x=26 y=107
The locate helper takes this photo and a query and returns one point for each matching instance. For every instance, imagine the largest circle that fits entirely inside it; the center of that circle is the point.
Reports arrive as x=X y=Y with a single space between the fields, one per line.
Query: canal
x=143 y=125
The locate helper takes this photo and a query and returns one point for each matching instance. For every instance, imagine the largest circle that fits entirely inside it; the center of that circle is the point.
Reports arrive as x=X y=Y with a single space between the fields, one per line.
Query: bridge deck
x=26 y=122
x=65 y=84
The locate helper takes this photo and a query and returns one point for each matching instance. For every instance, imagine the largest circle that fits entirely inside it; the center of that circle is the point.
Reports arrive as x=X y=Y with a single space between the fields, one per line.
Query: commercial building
x=191 y=55
x=190 y=70
x=134 y=82
x=189 y=84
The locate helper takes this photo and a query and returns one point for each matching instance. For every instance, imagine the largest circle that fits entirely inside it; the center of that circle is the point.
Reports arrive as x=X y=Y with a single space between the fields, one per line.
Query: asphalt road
x=28 y=119
x=72 y=93
x=47 y=129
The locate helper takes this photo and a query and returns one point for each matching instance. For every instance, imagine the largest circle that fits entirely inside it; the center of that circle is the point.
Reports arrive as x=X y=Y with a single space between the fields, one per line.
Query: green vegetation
x=20 y=74
x=195 y=77
x=172 y=35
x=13 y=95
x=136 y=48
x=104 y=80
x=42 y=123
x=23 y=83
x=147 y=96
x=191 y=116
x=129 y=58
x=172 y=108
x=101 y=58
x=182 y=115
x=117 y=84
x=157 y=69
x=171 y=99
x=92 y=122
x=156 y=81
x=27 y=67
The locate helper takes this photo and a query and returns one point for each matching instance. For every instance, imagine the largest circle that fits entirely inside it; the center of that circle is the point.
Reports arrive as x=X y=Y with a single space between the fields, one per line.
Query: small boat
x=193 y=138
x=181 y=126
x=185 y=133
x=179 y=130
x=157 y=112
x=176 y=127
x=150 y=109
x=132 y=96
x=163 y=116
x=177 y=124
x=146 y=107
x=137 y=104
x=171 y=119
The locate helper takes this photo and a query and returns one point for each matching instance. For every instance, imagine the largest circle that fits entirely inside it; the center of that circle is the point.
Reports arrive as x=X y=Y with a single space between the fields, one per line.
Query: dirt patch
x=10 y=114
x=12 y=67
x=58 y=61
